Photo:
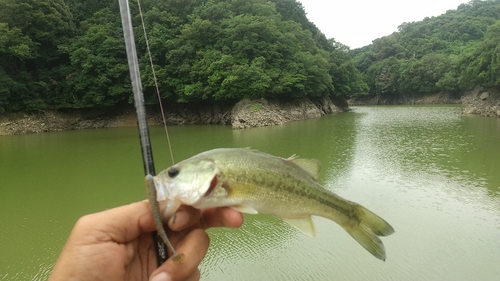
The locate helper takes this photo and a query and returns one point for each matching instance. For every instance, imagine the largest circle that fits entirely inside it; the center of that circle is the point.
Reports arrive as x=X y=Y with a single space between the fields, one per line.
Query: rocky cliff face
x=257 y=113
x=485 y=102
x=244 y=114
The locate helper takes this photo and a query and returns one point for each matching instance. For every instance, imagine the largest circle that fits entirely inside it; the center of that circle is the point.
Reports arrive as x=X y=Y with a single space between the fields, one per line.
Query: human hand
x=117 y=244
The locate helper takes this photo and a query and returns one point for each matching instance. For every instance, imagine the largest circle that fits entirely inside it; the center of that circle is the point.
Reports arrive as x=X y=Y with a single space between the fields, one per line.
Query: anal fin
x=245 y=209
x=306 y=225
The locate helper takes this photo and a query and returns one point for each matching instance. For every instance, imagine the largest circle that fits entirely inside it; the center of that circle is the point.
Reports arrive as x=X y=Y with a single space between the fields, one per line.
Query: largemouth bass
x=251 y=181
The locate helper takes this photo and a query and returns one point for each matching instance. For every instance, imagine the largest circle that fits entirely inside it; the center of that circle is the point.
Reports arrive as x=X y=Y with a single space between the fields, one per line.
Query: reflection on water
x=429 y=171
x=422 y=161
x=415 y=166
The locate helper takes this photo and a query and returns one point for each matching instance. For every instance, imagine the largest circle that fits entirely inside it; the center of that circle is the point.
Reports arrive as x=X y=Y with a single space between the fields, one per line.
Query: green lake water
x=431 y=172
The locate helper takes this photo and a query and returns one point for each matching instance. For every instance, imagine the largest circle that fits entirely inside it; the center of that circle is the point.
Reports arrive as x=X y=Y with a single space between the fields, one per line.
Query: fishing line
x=155 y=81
x=181 y=233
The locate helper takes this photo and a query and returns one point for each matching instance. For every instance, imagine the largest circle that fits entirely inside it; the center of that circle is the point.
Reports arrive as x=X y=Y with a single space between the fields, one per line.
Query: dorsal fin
x=312 y=166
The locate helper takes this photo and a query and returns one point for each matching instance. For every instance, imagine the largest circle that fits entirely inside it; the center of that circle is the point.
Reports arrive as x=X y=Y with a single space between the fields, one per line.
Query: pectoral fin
x=306 y=225
x=245 y=209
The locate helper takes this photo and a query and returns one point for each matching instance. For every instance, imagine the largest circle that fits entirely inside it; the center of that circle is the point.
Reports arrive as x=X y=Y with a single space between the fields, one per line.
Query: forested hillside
x=452 y=52
x=70 y=54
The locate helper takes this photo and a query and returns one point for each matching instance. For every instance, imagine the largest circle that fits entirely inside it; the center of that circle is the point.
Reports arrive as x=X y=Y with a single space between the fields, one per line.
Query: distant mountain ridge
x=452 y=53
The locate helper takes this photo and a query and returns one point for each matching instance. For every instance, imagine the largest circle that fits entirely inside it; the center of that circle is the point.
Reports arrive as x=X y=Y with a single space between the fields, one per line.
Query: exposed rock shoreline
x=480 y=101
x=485 y=102
x=257 y=113
x=244 y=114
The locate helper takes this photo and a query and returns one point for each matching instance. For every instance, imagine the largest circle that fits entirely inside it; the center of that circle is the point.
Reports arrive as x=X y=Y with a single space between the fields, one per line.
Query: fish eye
x=173 y=172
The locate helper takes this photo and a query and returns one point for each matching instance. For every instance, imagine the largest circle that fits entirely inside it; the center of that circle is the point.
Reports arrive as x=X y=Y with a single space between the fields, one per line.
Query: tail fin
x=368 y=228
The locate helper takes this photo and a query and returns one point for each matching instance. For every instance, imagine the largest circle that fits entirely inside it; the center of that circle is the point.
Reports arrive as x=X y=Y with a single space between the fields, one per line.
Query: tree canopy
x=452 y=52
x=71 y=54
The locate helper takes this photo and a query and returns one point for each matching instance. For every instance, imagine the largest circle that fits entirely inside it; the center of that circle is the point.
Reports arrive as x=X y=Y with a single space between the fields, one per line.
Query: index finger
x=222 y=217
x=187 y=217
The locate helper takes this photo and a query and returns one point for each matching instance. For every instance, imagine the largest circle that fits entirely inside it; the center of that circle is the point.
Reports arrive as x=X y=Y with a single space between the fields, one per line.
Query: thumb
x=194 y=247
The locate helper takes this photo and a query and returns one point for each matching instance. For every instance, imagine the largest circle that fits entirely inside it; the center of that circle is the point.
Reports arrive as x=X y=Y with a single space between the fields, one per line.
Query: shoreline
x=478 y=101
x=241 y=115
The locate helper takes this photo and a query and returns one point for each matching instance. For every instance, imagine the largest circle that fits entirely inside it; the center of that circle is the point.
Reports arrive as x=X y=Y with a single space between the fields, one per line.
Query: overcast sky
x=358 y=23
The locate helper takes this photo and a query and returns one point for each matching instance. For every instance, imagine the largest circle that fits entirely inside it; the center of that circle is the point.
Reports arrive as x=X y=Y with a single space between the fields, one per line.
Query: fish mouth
x=212 y=186
x=161 y=191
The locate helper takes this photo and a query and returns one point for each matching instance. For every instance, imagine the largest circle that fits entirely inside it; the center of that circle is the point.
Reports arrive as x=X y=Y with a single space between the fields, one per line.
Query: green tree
x=100 y=71
x=382 y=77
x=488 y=61
x=449 y=80
x=15 y=48
x=242 y=49
x=48 y=25
x=454 y=51
x=70 y=54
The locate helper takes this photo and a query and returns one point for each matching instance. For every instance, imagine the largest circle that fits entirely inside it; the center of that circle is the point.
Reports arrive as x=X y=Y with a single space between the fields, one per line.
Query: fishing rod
x=135 y=77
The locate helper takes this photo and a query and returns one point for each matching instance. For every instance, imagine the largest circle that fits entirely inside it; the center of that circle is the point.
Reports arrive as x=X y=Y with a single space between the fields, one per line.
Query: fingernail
x=179 y=220
x=162 y=276
x=173 y=219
